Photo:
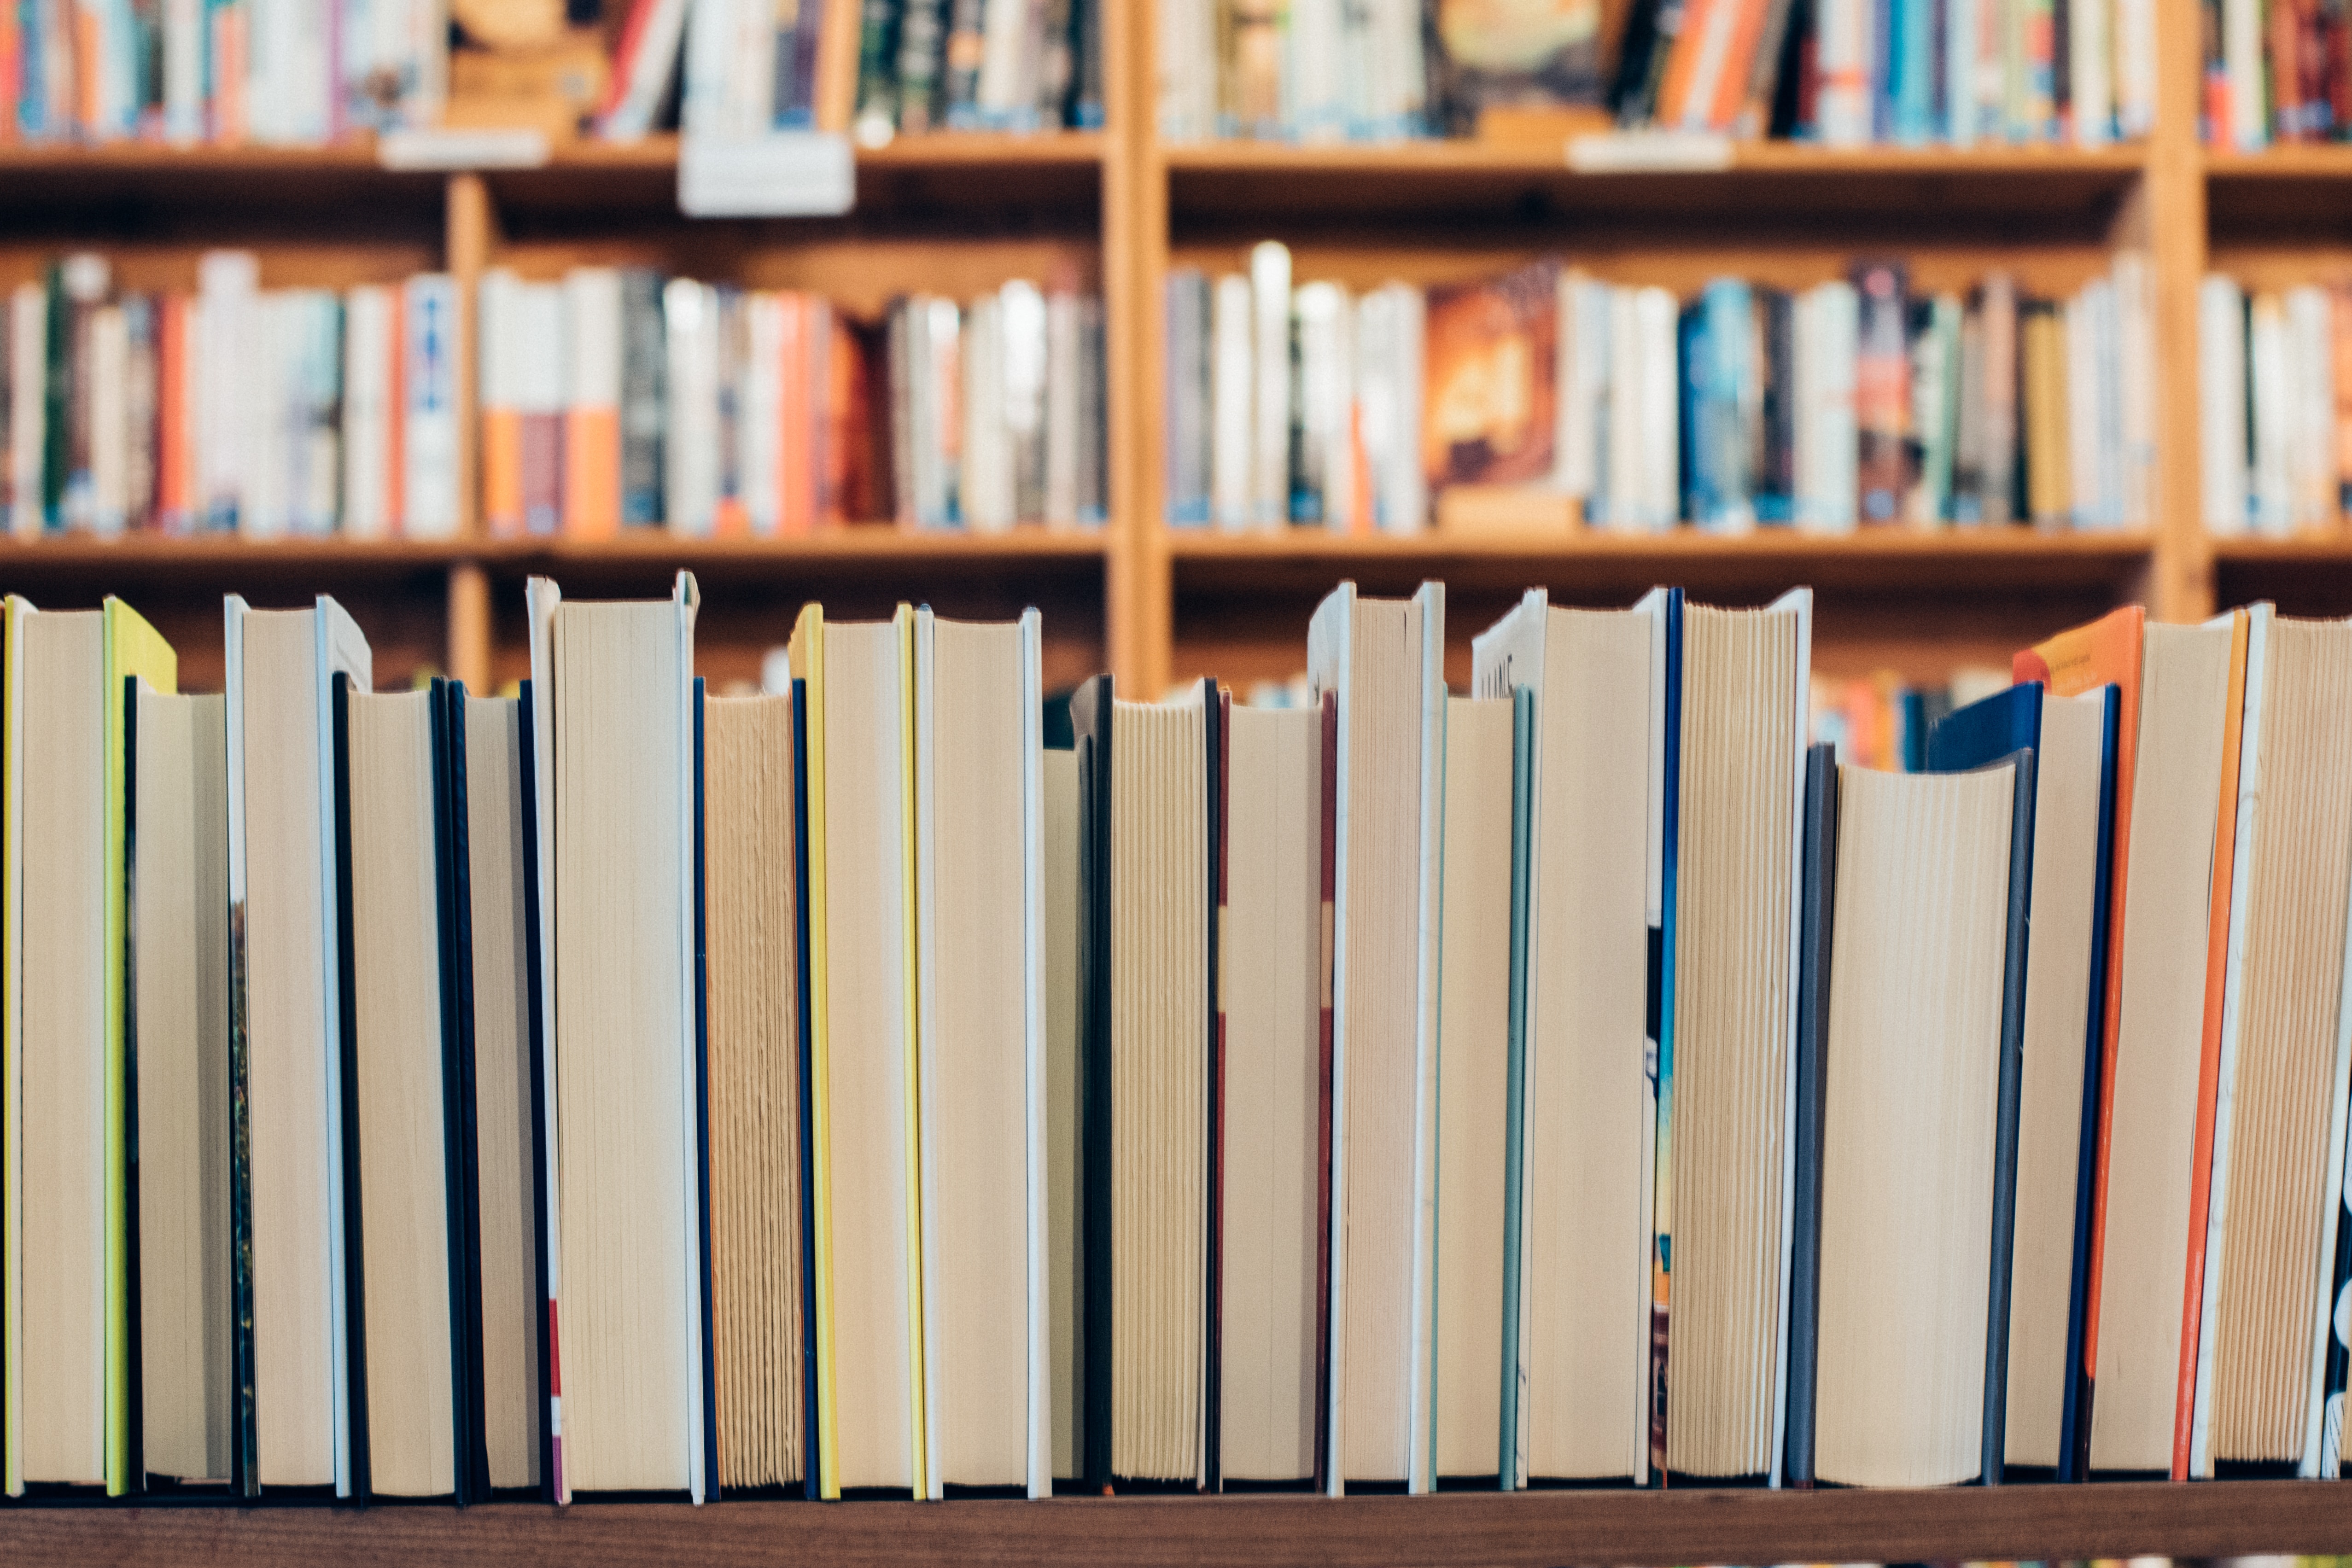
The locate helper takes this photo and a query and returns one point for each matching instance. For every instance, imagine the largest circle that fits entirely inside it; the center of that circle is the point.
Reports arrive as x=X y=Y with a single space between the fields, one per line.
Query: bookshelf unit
x=954 y=213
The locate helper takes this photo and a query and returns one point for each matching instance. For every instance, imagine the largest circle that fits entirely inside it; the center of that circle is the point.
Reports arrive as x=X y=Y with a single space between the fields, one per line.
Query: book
x=1487 y=410
x=1148 y=802
x=288 y=1196
x=618 y=908
x=1272 y=1108
x=1383 y=660
x=2260 y=1325
x=1474 y=1039
x=752 y=861
x=2073 y=739
x=1065 y=1272
x=1814 y=950
x=1580 y=1361
x=176 y=836
x=865 y=1186
x=1726 y=724
x=68 y=1117
x=590 y=439
x=981 y=1079
x=1923 y=1043
x=1553 y=57
x=415 y=1332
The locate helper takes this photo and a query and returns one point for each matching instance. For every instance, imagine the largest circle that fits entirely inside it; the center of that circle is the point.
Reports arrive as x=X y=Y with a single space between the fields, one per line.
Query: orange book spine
x=795 y=460
x=591 y=473
x=2208 y=1055
x=395 y=438
x=12 y=70
x=1731 y=86
x=90 y=52
x=502 y=511
x=230 y=65
x=1360 y=475
x=172 y=485
x=1674 y=88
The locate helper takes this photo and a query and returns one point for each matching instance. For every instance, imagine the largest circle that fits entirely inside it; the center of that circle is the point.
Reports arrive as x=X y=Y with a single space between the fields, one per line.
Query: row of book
x=880 y=68
x=1882 y=721
x=278 y=72
x=1548 y=394
x=898 y=1081
x=268 y=411
x=1843 y=72
x=2275 y=407
x=2274 y=72
x=618 y=398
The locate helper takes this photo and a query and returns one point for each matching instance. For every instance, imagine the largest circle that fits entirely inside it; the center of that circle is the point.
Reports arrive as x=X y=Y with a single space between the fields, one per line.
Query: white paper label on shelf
x=441 y=150
x=1637 y=152
x=782 y=175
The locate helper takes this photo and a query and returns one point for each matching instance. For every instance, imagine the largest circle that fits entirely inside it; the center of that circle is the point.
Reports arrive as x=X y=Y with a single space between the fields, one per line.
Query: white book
x=1270 y=385
x=110 y=419
x=984 y=485
x=759 y=425
x=1621 y=442
x=2273 y=510
x=648 y=73
x=1659 y=422
x=1314 y=76
x=1388 y=405
x=1023 y=347
x=711 y=44
x=428 y=425
x=1962 y=35
x=1006 y=70
x=371 y=314
x=2311 y=395
x=2243 y=62
x=592 y=416
x=2083 y=453
x=2089 y=84
x=1384 y=659
x=229 y=351
x=2134 y=27
x=1187 y=75
x=626 y=1284
x=287 y=976
x=1399 y=76
x=941 y=366
x=1325 y=401
x=184 y=71
x=1063 y=414
x=690 y=454
x=980 y=964
x=1836 y=331
x=269 y=380
x=1845 y=50
x=1583 y=383
x=1233 y=436
x=2135 y=382
x=2222 y=402
x=28 y=321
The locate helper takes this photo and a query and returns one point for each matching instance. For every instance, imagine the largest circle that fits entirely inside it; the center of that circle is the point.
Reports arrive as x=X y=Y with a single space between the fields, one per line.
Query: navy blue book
x=2074 y=741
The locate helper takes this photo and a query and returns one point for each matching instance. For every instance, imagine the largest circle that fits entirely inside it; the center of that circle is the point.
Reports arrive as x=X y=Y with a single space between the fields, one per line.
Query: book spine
x=877 y=42
x=541 y=396
x=429 y=490
x=591 y=414
x=1882 y=390
x=1326 y=971
x=1998 y=475
x=921 y=45
x=645 y=360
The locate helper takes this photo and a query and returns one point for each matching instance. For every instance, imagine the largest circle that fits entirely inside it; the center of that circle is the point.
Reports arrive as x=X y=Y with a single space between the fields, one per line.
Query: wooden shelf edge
x=2287 y=161
x=877 y=544
x=1686 y=544
x=2316 y=550
x=2014 y=1522
x=1459 y=156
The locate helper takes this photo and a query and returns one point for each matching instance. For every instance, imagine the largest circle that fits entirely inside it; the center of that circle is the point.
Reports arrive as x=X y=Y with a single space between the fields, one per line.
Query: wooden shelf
x=2015 y=1522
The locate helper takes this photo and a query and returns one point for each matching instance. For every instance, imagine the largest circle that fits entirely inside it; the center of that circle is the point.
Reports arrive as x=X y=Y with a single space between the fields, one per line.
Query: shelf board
x=1894 y=561
x=2196 y=1520
x=2285 y=192
x=1766 y=181
x=2318 y=549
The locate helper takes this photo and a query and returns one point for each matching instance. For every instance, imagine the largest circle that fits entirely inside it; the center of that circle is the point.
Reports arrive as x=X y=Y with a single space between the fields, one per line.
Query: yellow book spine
x=133 y=649
x=807 y=653
x=904 y=622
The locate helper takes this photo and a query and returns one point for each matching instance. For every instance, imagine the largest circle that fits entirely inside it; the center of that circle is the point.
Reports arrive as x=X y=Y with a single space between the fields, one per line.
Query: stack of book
x=617 y=398
x=266 y=412
x=617 y=1089
x=2274 y=73
x=1548 y=393
x=881 y=68
x=2275 y=407
x=1847 y=73
x=279 y=72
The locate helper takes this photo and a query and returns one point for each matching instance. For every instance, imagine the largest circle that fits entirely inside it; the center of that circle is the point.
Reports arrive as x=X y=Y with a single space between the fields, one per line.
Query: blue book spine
x=1913 y=86
x=1724 y=439
x=1690 y=356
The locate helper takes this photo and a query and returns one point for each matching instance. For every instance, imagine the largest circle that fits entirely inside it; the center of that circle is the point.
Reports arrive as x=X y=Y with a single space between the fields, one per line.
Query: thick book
x=287 y=1201
x=619 y=917
x=865 y=1182
x=2073 y=742
x=175 y=835
x=67 y=1135
x=1272 y=1115
x=1147 y=812
x=1919 y=1059
x=1578 y=1364
x=1384 y=659
x=979 y=963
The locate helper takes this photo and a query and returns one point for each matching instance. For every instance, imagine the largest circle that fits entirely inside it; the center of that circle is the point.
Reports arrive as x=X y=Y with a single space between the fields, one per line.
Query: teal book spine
x=1511 y=1466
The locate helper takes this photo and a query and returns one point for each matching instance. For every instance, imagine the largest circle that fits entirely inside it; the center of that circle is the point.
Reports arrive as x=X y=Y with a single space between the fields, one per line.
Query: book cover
x=453 y=888
x=1881 y=397
x=1092 y=708
x=1510 y=1458
x=1488 y=417
x=346 y=1109
x=2106 y=651
x=1819 y=893
x=1664 y=606
x=1534 y=54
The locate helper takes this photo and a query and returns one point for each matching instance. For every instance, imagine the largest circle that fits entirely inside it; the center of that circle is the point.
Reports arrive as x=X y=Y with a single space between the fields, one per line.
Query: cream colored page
x=2184 y=677
x=1383 y=846
x=1731 y=1036
x=1271 y=950
x=1474 y=1053
x=63 y=1402
x=1907 y=1146
x=2276 y=1189
x=620 y=881
x=1158 y=1049
x=404 y=1204
x=285 y=924
x=1587 y=1335
x=178 y=945
x=865 y=758
x=982 y=1055
x=503 y=1133
x=2050 y=1096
